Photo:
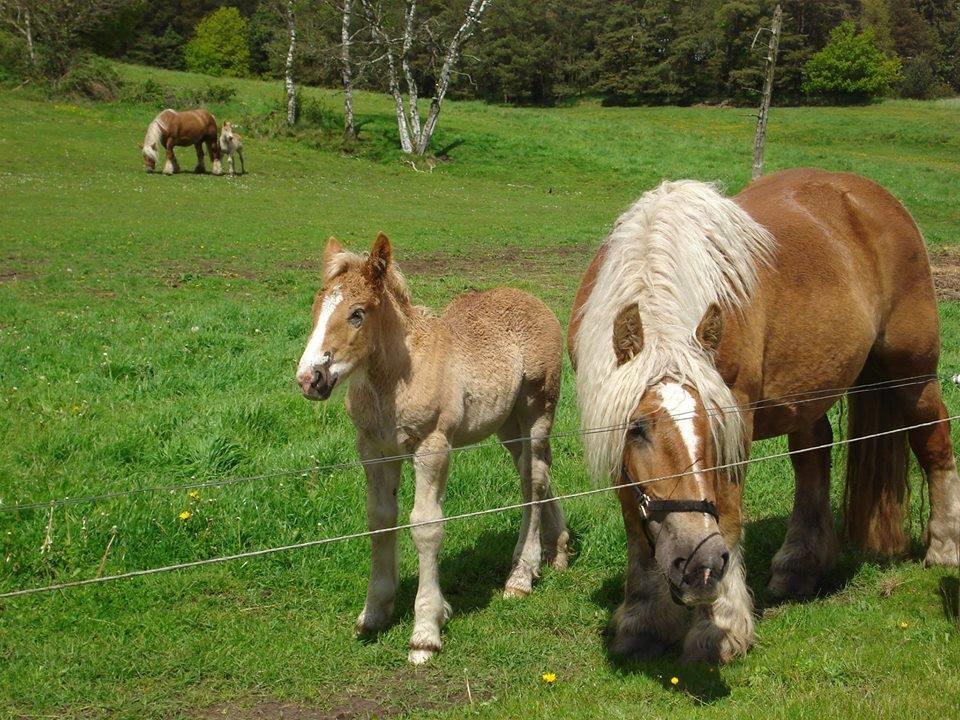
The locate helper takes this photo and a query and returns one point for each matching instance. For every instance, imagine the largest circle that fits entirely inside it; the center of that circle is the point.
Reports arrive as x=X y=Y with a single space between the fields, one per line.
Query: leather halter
x=649 y=506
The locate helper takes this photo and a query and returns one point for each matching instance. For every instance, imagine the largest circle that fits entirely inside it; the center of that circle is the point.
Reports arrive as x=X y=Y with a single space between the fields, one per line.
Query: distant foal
x=170 y=129
x=422 y=385
x=231 y=143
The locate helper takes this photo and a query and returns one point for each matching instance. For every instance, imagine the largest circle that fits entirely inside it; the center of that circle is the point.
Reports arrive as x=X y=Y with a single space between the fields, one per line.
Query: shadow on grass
x=704 y=683
x=950 y=596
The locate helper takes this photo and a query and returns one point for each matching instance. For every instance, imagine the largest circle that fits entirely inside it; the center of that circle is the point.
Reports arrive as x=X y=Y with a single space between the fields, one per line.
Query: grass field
x=149 y=328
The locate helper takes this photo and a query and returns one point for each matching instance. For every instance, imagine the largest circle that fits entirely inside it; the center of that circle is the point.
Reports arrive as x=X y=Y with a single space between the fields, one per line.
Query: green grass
x=149 y=328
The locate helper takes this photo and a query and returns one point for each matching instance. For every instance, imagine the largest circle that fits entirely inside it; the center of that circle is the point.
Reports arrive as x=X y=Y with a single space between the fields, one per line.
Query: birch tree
x=288 y=73
x=415 y=135
x=349 y=131
x=761 y=136
x=16 y=15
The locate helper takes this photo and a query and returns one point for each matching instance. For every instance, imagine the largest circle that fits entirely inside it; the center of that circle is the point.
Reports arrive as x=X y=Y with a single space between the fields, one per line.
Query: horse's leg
x=200 y=169
x=243 y=169
x=383 y=479
x=431 y=463
x=213 y=147
x=647 y=621
x=723 y=630
x=511 y=436
x=171 y=166
x=933 y=449
x=809 y=550
x=534 y=478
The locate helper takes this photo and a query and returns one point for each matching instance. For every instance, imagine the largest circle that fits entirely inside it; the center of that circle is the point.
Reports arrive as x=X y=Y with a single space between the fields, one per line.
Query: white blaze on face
x=682 y=408
x=314 y=354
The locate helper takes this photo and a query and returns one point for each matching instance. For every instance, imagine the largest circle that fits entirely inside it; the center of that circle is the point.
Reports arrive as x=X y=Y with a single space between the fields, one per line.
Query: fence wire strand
x=791 y=398
x=450 y=518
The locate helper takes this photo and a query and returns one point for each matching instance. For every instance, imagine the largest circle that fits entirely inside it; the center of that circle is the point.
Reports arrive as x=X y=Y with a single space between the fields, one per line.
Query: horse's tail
x=877 y=490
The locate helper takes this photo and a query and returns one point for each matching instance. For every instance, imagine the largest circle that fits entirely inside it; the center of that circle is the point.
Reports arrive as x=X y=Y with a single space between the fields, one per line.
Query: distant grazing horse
x=190 y=127
x=697 y=306
x=230 y=143
x=423 y=384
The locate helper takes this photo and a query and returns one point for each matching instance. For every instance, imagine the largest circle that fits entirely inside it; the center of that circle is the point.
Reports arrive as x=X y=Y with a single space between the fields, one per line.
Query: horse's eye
x=639 y=431
x=356 y=318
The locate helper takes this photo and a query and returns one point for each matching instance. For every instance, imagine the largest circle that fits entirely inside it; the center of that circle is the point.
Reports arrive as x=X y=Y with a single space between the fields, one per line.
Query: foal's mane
x=395 y=283
x=680 y=248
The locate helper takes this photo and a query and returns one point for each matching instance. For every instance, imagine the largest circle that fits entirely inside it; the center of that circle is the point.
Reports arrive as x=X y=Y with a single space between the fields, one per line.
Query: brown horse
x=421 y=385
x=170 y=129
x=698 y=306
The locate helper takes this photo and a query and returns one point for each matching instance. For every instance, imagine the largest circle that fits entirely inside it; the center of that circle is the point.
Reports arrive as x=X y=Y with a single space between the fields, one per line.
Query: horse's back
x=508 y=330
x=850 y=286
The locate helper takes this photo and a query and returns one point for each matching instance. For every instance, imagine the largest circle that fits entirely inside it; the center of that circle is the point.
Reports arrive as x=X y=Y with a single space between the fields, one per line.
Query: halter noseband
x=648 y=506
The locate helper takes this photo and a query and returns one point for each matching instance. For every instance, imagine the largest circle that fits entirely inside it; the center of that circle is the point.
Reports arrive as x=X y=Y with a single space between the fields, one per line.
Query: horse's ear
x=381 y=255
x=627 y=333
x=710 y=329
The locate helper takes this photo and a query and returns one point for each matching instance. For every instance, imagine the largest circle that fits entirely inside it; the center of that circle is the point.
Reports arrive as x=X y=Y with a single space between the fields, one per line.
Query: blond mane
x=677 y=250
x=152 y=138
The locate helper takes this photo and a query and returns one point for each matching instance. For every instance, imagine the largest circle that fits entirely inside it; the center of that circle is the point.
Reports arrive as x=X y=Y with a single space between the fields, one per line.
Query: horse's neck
x=393 y=360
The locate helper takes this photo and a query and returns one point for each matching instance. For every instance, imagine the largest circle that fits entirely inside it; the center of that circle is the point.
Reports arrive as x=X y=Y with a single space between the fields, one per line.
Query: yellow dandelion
x=674 y=680
x=185 y=515
x=193 y=495
x=549 y=678
x=904 y=625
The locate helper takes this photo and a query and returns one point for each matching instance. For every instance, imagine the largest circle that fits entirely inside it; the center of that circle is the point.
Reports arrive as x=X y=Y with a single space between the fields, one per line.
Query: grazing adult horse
x=171 y=128
x=421 y=385
x=696 y=309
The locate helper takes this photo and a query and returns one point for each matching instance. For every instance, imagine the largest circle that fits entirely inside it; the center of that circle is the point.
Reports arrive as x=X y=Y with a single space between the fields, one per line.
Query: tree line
x=539 y=52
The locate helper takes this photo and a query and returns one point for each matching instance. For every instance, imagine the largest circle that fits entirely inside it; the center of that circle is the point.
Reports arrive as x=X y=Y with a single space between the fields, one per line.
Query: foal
x=231 y=143
x=422 y=384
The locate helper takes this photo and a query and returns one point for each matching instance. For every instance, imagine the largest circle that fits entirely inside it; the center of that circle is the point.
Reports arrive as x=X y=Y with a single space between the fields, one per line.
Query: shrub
x=14 y=58
x=91 y=77
x=220 y=45
x=148 y=92
x=919 y=80
x=850 y=68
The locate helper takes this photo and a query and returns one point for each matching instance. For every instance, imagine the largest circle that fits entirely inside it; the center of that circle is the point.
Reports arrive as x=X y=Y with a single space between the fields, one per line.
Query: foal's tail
x=877 y=490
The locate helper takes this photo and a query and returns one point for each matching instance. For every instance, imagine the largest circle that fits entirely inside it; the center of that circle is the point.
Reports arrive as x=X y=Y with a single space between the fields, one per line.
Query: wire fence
x=443 y=520
x=787 y=399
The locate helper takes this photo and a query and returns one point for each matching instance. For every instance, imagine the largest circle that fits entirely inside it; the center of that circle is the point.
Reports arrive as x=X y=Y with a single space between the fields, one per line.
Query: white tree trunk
x=28 y=31
x=412 y=94
x=288 y=78
x=349 y=130
x=474 y=12
x=380 y=36
x=761 y=137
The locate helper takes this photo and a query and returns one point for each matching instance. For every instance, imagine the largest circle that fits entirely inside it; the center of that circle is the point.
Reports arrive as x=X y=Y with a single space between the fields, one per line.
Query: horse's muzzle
x=319 y=383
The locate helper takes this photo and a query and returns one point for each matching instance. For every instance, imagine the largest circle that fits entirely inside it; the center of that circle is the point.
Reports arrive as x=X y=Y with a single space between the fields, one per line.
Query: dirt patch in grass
x=175 y=274
x=408 y=690
x=478 y=262
x=15 y=267
x=946 y=272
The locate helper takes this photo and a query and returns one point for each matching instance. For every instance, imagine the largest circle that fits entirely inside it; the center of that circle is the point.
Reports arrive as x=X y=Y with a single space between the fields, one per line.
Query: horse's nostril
x=726 y=558
x=679 y=563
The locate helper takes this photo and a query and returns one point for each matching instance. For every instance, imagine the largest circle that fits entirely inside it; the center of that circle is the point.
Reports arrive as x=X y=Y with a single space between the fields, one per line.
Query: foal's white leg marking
x=723 y=630
x=313 y=354
x=431 y=463
x=682 y=408
x=217 y=169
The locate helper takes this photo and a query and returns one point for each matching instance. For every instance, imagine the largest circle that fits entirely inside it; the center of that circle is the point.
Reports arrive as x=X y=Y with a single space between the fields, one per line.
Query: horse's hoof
x=942 y=552
x=799 y=585
x=371 y=623
x=515 y=593
x=419 y=656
